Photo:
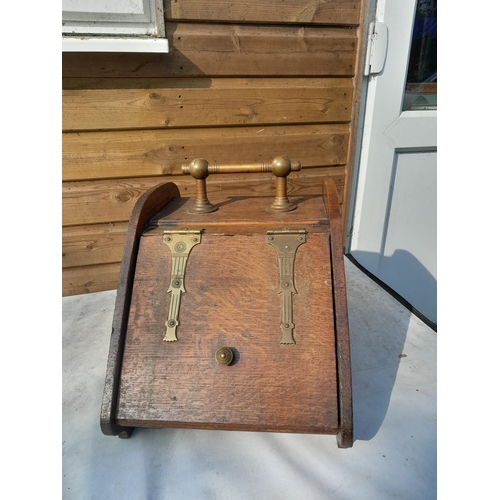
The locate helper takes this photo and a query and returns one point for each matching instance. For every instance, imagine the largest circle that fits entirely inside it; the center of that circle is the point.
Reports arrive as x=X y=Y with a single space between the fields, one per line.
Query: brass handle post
x=199 y=169
x=281 y=167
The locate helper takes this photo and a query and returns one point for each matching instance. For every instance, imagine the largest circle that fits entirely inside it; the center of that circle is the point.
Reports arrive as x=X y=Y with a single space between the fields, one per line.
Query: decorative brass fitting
x=286 y=241
x=180 y=242
x=224 y=356
x=281 y=167
x=199 y=170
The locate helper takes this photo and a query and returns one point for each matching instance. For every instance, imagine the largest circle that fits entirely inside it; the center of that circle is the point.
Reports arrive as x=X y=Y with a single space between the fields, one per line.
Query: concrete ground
x=394 y=392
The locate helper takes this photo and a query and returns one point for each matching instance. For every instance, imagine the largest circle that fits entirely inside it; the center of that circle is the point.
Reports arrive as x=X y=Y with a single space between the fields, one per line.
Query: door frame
x=395 y=127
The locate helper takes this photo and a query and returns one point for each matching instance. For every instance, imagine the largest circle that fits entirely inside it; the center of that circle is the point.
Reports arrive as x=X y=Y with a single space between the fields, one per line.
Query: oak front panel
x=231 y=300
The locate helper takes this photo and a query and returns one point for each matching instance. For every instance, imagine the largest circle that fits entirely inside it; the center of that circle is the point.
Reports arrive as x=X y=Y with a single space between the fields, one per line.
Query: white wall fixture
x=376 y=49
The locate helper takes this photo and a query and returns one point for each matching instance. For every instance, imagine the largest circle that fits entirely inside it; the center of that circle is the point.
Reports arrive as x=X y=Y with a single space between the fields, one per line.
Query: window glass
x=421 y=78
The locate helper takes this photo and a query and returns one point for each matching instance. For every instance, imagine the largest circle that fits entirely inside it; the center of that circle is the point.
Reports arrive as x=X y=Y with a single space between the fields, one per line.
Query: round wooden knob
x=224 y=356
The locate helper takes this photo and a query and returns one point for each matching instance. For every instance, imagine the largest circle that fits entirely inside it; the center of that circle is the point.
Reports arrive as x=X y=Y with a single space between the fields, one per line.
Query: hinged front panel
x=228 y=368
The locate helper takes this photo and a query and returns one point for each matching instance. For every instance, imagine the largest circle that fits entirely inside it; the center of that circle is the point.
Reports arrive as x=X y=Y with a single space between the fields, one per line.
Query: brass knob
x=224 y=356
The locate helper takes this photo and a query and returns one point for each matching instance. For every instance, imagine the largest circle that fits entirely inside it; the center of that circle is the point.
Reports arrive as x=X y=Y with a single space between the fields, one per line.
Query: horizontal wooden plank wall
x=244 y=81
x=228 y=50
x=144 y=153
x=271 y=11
x=113 y=104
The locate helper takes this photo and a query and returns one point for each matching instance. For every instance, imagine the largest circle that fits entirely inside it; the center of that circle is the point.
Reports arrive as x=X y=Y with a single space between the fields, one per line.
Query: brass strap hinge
x=286 y=241
x=180 y=242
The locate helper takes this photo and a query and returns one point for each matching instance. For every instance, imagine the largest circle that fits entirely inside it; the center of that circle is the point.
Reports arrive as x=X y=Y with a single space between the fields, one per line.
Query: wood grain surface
x=265 y=11
x=93 y=244
x=243 y=212
x=113 y=200
x=203 y=102
x=150 y=203
x=231 y=300
x=346 y=433
x=209 y=50
x=145 y=153
x=90 y=279
x=98 y=244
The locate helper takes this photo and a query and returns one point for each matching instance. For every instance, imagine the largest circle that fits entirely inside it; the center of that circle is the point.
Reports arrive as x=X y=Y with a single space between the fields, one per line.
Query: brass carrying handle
x=281 y=166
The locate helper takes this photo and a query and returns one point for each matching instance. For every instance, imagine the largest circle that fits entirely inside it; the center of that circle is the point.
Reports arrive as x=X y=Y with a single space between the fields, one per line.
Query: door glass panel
x=421 y=78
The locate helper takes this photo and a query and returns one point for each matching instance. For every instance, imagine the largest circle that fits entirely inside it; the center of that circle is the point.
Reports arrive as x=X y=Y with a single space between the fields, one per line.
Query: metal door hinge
x=180 y=243
x=286 y=241
x=376 y=48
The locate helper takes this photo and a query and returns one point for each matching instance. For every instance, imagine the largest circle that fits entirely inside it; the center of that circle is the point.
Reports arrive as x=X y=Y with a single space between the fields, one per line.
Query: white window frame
x=113 y=26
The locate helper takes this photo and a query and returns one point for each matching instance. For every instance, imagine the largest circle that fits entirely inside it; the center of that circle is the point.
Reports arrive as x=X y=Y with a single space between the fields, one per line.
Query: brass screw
x=171 y=323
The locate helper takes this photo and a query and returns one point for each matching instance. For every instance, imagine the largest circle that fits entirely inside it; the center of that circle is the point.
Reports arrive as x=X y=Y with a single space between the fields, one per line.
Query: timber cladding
x=243 y=81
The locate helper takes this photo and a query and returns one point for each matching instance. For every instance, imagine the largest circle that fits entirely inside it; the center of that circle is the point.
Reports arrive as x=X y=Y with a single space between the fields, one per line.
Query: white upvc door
x=393 y=220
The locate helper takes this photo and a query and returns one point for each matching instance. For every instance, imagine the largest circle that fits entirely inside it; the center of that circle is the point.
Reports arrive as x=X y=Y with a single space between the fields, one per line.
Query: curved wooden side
x=344 y=380
x=148 y=205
